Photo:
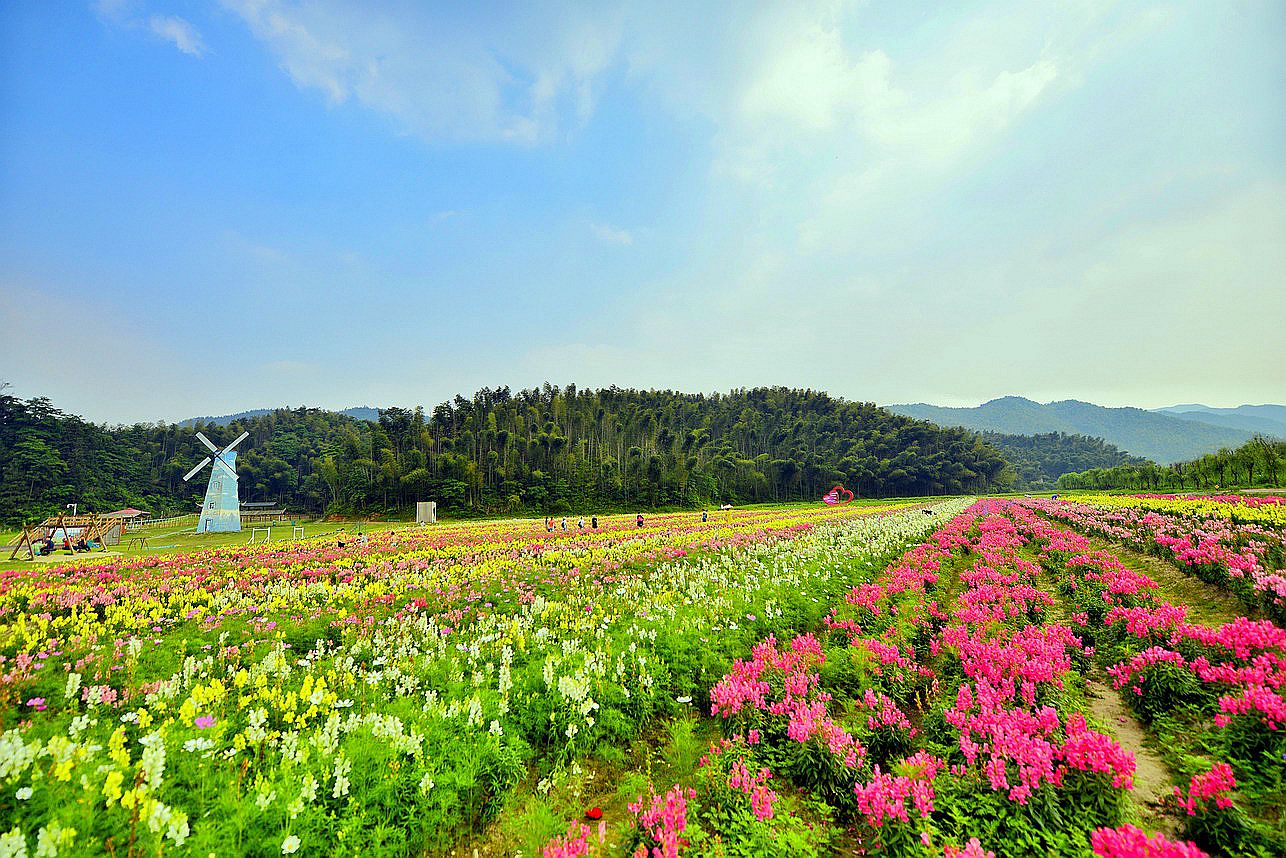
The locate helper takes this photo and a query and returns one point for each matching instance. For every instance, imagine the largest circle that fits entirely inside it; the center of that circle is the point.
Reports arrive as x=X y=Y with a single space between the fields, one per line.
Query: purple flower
x=204 y=722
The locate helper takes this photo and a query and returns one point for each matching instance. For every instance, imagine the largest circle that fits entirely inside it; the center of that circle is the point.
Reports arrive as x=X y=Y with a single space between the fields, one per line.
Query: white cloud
x=113 y=10
x=170 y=28
x=179 y=32
x=823 y=257
x=611 y=235
x=523 y=80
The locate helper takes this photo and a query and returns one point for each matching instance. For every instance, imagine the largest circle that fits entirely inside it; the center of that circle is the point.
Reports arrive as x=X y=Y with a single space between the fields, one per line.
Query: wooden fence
x=151 y=522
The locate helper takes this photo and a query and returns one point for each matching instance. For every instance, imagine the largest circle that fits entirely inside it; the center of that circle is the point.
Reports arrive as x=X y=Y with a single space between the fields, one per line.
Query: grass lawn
x=164 y=539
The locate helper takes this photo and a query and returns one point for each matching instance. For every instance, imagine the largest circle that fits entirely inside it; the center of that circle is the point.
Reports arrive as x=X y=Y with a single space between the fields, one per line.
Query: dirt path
x=1153 y=780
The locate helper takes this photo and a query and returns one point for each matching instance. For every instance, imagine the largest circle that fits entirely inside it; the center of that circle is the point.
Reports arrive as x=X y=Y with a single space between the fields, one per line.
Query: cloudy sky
x=213 y=206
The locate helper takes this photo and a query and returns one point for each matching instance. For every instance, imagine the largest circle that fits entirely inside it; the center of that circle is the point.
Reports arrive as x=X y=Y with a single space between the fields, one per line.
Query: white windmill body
x=221 y=512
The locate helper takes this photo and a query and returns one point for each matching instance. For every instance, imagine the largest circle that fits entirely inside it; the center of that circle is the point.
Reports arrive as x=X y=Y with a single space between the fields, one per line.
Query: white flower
x=290 y=845
x=13 y=843
x=684 y=699
x=23 y=794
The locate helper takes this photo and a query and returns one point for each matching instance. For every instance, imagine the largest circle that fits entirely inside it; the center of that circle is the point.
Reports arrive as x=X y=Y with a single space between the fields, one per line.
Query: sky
x=207 y=207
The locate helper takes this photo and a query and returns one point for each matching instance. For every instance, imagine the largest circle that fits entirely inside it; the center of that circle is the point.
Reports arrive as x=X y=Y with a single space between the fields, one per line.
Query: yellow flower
x=112 y=787
x=116 y=748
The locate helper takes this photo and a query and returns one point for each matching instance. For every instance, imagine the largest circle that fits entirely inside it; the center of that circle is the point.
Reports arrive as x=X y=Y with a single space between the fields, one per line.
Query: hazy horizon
x=206 y=207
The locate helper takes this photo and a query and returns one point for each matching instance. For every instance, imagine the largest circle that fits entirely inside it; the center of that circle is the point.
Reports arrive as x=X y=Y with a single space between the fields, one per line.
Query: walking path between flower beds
x=1207 y=604
x=1153 y=779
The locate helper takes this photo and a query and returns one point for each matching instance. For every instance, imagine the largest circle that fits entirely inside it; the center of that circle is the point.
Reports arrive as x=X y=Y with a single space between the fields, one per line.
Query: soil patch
x=1153 y=780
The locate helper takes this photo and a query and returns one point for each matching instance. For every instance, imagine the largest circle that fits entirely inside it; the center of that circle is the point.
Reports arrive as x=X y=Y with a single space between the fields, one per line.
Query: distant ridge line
x=1161 y=435
x=361 y=412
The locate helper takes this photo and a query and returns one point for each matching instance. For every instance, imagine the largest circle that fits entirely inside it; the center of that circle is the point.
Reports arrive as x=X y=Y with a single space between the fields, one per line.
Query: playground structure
x=100 y=530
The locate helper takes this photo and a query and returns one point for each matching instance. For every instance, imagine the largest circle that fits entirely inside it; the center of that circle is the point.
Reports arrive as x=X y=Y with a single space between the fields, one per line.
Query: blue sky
x=213 y=206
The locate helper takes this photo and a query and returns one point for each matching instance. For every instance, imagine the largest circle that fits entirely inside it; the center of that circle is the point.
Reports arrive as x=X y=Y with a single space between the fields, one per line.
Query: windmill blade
x=190 y=474
x=228 y=469
x=207 y=442
x=243 y=436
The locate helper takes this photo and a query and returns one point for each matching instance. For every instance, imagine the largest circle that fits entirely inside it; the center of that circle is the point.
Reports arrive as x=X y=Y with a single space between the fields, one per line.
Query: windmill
x=221 y=512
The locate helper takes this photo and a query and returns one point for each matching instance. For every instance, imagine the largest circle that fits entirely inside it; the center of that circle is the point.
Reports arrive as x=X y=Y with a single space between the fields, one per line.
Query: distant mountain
x=1162 y=437
x=359 y=413
x=1263 y=419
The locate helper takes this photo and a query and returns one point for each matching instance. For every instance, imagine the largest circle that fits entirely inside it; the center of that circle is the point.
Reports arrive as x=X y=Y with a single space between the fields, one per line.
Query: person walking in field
x=594 y=522
x=564 y=523
x=549 y=524
x=639 y=520
x=705 y=516
x=580 y=522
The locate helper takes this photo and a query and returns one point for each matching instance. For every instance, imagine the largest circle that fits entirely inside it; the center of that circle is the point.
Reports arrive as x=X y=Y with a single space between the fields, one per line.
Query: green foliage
x=1051 y=822
x=727 y=826
x=684 y=748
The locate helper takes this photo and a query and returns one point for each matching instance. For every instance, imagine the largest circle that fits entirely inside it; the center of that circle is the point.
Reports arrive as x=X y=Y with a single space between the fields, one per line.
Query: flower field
x=389 y=695
x=1240 y=509
x=1236 y=543
x=856 y=680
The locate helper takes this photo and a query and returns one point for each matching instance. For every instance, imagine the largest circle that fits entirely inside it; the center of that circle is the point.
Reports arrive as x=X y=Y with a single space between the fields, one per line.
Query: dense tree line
x=1039 y=460
x=548 y=449
x=1258 y=463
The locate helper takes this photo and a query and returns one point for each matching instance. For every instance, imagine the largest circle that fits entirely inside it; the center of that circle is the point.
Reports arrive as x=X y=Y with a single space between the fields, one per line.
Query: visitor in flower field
x=564 y=523
x=639 y=520
x=705 y=516
x=580 y=522
x=594 y=522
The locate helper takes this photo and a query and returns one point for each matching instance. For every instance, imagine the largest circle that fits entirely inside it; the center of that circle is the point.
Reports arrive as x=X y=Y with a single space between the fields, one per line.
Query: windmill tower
x=221 y=512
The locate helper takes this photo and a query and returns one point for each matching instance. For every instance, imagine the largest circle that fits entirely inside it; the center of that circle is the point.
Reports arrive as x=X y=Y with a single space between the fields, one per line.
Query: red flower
x=594 y=813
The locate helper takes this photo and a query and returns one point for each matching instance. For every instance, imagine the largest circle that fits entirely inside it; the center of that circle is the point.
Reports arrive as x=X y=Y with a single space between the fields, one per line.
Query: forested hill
x=547 y=449
x=1039 y=460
